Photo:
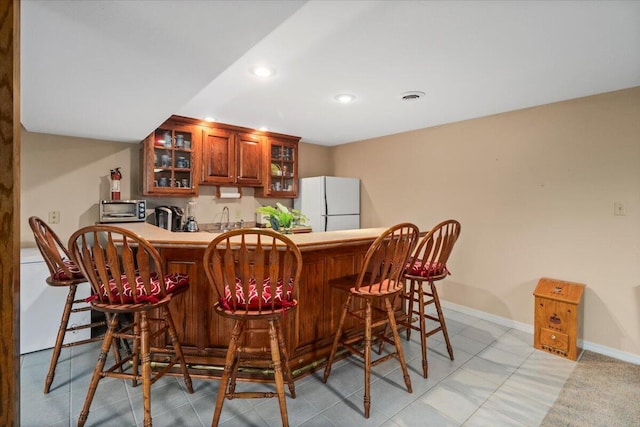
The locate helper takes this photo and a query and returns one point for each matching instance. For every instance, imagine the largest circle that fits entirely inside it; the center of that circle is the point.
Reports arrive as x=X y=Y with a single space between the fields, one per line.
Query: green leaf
x=282 y=216
x=275 y=224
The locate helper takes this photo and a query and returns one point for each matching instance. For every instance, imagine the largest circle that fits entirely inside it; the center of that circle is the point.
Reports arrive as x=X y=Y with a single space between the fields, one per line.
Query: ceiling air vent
x=412 y=96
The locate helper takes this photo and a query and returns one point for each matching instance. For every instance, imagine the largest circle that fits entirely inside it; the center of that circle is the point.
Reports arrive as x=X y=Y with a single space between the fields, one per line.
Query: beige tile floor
x=496 y=379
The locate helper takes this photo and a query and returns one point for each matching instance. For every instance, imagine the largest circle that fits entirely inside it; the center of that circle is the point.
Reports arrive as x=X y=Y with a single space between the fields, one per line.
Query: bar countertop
x=160 y=237
x=309 y=332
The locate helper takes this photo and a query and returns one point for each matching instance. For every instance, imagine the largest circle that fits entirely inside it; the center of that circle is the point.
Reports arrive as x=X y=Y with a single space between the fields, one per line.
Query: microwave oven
x=123 y=210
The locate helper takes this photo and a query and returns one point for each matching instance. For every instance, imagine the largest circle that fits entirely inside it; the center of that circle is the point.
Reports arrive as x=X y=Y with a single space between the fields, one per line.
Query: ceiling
x=115 y=70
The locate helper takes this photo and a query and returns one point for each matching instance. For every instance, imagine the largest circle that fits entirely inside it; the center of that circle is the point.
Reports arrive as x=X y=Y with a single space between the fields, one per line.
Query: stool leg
x=178 y=348
x=97 y=371
x=135 y=360
x=277 y=372
x=146 y=369
x=64 y=321
x=396 y=340
x=336 y=339
x=115 y=345
x=367 y=357
x=410 y=302
x=238 y=328
x=382 y=342
x=423 y=330
x=436 y=299
x=231 y=389
x=285 y=360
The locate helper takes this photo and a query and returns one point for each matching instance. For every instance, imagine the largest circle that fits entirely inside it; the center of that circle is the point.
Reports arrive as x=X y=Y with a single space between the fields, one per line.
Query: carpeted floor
x=601 y=391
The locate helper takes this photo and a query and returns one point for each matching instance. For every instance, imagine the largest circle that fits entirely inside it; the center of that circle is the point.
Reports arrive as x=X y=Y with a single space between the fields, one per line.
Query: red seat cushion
x=60 y=274
x=427 y=270
x=281 y=298
x=172 y=282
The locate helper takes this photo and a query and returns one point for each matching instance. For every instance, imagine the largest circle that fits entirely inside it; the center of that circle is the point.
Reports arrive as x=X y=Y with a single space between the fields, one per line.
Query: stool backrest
x=242 y=266
x=433 y=251
x=385 y=260
x=113 y=259
x=54 y=253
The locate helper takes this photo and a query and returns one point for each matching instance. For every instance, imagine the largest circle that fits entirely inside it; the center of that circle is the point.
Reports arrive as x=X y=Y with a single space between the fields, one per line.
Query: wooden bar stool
x=63 y=272
x=127 y=277
x=426 y=266
x=243 y=266
x=379 y=282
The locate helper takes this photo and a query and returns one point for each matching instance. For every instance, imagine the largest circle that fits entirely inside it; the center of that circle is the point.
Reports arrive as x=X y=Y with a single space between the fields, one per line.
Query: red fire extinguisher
x=116 y=176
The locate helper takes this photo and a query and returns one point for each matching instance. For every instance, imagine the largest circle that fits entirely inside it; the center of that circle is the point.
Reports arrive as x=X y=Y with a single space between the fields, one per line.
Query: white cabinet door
x=41 y=306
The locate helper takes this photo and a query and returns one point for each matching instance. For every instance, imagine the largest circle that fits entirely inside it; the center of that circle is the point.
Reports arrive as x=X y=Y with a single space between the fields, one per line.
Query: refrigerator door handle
x=326 y=217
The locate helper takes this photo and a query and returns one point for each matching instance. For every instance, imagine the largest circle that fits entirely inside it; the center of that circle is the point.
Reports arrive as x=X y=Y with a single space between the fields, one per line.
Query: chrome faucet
x=224 y=225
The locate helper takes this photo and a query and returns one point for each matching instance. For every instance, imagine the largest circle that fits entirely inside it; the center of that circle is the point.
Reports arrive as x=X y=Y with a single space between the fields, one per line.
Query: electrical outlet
x=237 y=214
x=54 y=217
x=619 y=209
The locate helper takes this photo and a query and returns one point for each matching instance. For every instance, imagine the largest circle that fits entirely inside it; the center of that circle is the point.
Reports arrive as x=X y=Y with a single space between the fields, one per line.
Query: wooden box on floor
x=558 y=317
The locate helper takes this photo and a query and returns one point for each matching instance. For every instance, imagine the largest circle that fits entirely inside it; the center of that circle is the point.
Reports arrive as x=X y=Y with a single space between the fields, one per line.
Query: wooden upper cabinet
x=231 y=157
x=170 y=160
x=218 y=156
x=184 y=153
x=249 y=149
x=280 y=172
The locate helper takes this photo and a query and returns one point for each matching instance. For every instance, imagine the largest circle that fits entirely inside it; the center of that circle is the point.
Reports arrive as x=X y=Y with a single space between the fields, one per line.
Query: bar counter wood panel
x=309 y=330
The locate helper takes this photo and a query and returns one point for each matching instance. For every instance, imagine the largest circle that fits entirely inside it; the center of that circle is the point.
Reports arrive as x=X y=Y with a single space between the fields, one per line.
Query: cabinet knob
x=553 y=337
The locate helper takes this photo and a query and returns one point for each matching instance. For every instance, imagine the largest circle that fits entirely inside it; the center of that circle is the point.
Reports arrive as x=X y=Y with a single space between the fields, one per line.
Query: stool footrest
x=85 y=326
x=87 y=341
x=251 y=395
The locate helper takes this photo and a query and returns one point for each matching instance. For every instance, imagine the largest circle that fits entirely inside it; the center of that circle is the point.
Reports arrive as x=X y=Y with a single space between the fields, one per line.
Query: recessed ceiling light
x=262 y=71
x=209 y=119
x=345 y=98
x=412 y=96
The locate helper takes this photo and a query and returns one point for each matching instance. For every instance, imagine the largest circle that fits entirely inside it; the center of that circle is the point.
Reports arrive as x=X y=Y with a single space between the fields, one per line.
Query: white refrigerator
x=330 y=202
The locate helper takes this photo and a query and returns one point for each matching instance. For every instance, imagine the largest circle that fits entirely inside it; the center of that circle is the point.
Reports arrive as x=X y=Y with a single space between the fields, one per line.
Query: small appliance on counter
x=123 y=211
x=191 y=225
x=262 y=220
x=169 y=217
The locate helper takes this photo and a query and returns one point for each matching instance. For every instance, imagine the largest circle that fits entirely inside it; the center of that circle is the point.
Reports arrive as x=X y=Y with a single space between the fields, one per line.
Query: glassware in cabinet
x=171 y=161
x=282 y=175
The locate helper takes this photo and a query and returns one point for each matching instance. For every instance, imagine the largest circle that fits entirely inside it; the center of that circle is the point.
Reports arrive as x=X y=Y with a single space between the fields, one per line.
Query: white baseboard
x=525 y=327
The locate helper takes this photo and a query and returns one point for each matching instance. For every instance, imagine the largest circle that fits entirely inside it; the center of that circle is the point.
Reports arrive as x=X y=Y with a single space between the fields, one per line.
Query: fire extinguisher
x=116 y=176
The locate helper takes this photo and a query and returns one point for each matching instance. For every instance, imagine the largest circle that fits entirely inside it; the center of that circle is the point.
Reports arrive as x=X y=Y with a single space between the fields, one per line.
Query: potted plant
x=282 y=218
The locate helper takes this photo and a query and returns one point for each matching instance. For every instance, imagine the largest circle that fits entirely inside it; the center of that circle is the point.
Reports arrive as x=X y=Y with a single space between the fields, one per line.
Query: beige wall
x=315 y=160
x=534 y=190
x=70 y=175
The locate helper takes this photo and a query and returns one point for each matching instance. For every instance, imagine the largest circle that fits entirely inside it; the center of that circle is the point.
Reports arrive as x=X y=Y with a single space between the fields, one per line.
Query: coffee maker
x=169 y=217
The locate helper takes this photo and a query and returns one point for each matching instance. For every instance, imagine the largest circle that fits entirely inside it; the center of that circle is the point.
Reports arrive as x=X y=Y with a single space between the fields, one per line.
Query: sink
x=218 y=227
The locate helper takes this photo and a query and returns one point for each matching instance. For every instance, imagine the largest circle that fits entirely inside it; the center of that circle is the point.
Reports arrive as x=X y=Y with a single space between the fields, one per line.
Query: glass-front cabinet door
x=283 y=169
x=171 y=161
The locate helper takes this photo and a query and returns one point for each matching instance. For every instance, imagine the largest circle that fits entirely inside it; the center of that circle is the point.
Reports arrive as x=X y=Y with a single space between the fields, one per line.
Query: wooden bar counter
x=309 y=329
